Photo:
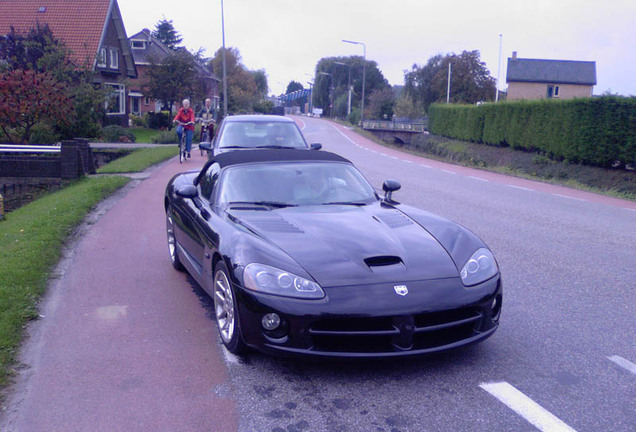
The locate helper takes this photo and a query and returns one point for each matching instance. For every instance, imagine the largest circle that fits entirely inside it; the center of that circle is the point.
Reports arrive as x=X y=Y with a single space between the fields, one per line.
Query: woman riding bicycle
x=185 y=120
x=207 y=117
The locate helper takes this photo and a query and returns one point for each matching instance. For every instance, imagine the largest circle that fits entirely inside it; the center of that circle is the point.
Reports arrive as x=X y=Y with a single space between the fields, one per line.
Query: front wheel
x=172 y=244
x=226 y=311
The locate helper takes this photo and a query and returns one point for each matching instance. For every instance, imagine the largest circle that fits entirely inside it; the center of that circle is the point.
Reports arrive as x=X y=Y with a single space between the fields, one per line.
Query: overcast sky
x=288 y=37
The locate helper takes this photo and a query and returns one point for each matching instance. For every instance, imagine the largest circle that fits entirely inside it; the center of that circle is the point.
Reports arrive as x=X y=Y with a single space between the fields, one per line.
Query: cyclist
x=207 y=117
x=185 y=120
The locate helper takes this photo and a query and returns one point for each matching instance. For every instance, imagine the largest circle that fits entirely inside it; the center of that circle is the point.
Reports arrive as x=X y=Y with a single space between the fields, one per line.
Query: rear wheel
x=226 y=311
x=172 y=244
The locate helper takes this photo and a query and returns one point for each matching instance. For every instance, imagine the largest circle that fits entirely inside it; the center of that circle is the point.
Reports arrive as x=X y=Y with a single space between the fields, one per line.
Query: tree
x=294 y=86
x=381 y=104
x=332 y=79
x=166 y=33
x=470 y=80
x=241 y=85
x=28 y=97
x=260 y=78
x=299 y=102
x=174 y=79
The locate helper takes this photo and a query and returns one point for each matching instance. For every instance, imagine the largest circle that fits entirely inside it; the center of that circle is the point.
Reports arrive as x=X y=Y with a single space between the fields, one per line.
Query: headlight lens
x=270 y=280
x=480 y=267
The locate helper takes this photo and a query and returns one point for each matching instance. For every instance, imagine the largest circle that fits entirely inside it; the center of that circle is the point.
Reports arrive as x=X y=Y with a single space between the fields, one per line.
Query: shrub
x=140 y=121
x=166 y=137
x=160 y=120
x=43 y=133
x=114 y=133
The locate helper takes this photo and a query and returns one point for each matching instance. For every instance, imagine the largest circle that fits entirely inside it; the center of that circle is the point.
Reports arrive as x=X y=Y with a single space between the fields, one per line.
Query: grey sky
x=288 y=37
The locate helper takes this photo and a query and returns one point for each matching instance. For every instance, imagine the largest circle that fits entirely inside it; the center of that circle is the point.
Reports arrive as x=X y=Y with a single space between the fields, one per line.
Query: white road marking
x=393 y=157
x=407 y=161
x=450 y=172
x=521 y=187
x=526 y=407
x=383 y=154
x=569 y=197
x=425 y=166
x=342 y=133
x=625 y=364
x=477 y=178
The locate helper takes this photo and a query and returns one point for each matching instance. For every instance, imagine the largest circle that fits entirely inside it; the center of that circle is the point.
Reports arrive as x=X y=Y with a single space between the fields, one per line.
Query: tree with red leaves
x=28 y=97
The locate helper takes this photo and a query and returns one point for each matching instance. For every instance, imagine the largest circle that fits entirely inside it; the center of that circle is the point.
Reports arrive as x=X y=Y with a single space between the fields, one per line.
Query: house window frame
x=101 y=57
x=142 y=44
x=556 y=91
x=114 y=59
x=146 y=100
x=119 y=91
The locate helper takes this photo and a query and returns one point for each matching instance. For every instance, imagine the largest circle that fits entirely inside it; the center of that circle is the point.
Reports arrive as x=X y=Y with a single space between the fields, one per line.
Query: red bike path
x=124 y=343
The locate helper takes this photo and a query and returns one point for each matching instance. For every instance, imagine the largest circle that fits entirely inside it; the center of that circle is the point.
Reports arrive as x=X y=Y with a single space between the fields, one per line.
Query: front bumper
x=373 y=321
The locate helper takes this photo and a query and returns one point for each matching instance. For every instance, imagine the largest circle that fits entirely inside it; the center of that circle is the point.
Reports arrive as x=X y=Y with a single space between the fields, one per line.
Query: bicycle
x=182 y=142
x=205 y=137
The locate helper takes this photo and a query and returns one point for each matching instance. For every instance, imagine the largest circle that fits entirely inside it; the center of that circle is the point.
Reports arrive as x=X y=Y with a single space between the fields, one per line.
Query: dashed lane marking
x=534 y=413
x=478 y=178
x=407 y=161
x=624 y=363
x=449 y=172
x=425 y=166
x=520 y=187
x=569 y=197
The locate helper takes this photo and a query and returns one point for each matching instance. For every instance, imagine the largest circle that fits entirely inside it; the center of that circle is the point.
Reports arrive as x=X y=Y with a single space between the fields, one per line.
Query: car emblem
x=401 y=290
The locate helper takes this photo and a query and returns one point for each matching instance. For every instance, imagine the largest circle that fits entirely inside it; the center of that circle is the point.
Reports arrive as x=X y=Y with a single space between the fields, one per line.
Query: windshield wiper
x=275 y=147
x=276 y=204
x=353 y=203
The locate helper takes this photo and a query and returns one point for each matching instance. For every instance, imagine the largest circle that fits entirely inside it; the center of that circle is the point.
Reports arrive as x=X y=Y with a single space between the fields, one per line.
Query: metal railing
x=19 y=148
x=393 y=126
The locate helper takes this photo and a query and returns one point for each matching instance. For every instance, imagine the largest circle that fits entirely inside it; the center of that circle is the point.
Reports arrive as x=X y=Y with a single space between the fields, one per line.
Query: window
x=147 y=101
x=553 y=92
x=209 y=180
x=115 y=102
x=101 y=58
x=114 y=59
x=137 y=44
x=135 y=107
x=556 y=91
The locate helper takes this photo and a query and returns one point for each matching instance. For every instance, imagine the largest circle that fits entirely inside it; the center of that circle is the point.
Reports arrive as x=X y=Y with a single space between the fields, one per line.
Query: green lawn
x=144 y=135
x=140 y=159
x=31 y=240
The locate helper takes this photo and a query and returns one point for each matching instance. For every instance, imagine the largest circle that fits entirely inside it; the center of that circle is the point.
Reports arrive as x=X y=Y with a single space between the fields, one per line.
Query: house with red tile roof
x=148 y=50
x=94 y=33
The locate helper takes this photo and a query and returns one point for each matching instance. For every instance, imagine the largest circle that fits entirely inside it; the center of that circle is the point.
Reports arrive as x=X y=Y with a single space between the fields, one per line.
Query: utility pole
x=498 y=71
x=224 y=63
x=449 y=82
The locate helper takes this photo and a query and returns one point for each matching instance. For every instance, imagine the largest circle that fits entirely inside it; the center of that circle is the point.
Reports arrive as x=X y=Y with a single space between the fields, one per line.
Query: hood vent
x=271 y=223
x=394 y=219
x=249 y=208
x=383 y=260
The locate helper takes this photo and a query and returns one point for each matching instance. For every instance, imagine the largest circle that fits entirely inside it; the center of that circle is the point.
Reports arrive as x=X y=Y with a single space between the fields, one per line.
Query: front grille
x=397 y=333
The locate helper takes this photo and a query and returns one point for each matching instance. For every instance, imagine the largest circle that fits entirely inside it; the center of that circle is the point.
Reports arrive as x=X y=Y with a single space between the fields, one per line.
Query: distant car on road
x=258 y=132
x=302 y=257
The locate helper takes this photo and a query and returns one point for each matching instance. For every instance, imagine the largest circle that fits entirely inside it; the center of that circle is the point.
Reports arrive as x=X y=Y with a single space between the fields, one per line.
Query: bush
x=43 y=133
x=166 y=137
x=114 y=133
x=160 y=120
x=139 y=121
x=594 y=131
x=354 y=117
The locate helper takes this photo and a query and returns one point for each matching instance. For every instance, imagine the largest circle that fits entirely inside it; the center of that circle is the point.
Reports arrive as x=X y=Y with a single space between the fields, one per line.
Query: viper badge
x=401 y=290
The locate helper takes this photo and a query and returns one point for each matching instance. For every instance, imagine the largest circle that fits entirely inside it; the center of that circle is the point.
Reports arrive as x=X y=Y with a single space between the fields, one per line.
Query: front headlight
x=480 y=267
x=270 y=280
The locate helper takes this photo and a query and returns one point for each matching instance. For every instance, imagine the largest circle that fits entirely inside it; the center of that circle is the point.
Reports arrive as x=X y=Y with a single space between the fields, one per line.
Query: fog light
x=495 y=308
x=270 y=321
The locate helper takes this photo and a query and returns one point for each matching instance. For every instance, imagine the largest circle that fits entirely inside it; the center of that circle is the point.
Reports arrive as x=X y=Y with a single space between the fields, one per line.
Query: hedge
x=594 y=131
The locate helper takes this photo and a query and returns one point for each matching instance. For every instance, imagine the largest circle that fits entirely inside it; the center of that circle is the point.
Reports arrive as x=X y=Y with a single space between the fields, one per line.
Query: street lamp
x=311 y=99
x=348 y=86
x=224 y=63
x=364 y=74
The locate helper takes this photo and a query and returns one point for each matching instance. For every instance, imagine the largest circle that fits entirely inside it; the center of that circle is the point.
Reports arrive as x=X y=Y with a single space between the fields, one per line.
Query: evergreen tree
x=165 y=32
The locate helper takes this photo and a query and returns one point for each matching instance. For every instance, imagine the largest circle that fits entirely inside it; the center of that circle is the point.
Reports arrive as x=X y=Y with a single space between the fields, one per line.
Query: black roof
x=551 y=71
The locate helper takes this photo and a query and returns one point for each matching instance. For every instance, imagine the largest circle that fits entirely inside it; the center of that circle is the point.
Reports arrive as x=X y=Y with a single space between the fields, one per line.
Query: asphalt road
x=129 y=344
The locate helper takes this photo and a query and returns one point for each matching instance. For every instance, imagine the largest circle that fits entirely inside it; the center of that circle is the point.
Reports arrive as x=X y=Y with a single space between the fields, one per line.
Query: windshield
x=295 y=184
x=261 y=134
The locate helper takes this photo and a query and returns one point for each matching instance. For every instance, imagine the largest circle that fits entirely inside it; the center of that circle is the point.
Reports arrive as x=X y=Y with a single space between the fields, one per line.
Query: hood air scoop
x=384 y=263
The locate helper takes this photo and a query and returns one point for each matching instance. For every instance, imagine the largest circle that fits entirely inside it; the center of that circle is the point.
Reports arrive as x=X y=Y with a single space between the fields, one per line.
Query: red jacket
x=185 y=116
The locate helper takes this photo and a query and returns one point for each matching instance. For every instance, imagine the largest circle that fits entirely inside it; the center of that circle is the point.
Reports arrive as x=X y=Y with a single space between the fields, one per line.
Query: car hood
x=349 y=245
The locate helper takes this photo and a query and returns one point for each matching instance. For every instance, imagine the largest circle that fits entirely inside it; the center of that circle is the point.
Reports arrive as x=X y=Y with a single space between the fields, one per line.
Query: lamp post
x=311 y=99
x=348 y=86
x=224 y=63
x=364 y=74
x=498 y=70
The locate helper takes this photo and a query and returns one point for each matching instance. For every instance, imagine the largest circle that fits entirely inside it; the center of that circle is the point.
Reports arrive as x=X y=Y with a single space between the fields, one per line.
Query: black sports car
x=302 y=256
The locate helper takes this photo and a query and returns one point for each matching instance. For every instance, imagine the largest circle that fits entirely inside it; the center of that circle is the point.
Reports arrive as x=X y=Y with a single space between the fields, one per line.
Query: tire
x=226 y=311
x=173 y=250
x=181 y=153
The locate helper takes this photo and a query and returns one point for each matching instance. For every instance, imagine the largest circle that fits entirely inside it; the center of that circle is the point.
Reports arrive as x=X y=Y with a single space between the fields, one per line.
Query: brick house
x=146 y=49
x=549 y=79
x=94 y=33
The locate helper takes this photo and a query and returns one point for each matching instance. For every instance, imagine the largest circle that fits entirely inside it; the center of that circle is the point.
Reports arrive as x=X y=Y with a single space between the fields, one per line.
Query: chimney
x=514 y=55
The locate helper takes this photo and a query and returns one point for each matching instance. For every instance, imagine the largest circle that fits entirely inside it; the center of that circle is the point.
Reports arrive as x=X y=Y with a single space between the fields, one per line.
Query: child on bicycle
x=185 y=120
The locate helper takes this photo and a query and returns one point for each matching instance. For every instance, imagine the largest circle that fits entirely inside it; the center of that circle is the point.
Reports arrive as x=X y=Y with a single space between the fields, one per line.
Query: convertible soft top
x=269 y=155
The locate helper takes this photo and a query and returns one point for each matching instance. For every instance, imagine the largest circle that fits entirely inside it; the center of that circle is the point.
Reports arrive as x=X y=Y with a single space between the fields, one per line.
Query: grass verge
x=139 y=160
x=31 y=240
x=144 y=135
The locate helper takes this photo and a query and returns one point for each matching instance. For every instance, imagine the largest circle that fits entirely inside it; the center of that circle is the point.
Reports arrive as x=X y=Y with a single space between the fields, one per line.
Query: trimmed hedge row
x=594 y=131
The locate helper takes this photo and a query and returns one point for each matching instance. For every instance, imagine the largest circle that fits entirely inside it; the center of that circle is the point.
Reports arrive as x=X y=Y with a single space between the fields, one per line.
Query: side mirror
x=186 y=191
x=206 y=145
x=390 y=186
x=316 y=146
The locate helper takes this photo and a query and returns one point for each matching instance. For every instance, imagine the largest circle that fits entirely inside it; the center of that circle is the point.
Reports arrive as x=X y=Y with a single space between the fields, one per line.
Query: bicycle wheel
x=182 y=152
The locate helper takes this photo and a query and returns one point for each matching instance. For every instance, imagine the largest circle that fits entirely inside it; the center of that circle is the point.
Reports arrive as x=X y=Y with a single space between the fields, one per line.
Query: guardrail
x=393 y=126
x=20 y=148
